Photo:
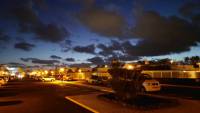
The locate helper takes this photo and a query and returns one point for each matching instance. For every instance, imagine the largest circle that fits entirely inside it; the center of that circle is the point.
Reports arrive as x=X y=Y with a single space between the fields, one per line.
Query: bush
x=126 y=83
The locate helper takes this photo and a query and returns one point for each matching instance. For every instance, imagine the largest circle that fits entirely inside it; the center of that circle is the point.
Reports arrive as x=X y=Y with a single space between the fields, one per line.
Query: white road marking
x=82 y=105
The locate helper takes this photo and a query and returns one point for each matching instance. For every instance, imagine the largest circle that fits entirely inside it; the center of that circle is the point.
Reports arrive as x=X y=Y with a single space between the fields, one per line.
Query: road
x=40 y=97
x=49 y=97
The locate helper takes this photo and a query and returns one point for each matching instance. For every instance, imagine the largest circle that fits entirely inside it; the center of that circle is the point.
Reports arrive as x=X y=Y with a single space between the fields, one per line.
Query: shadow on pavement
x=8 y=103
x=8 y=94
x=142 y=102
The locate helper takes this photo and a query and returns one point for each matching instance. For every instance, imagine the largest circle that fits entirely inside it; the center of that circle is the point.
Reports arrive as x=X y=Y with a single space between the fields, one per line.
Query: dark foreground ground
x=39 y=97
x=46 y=97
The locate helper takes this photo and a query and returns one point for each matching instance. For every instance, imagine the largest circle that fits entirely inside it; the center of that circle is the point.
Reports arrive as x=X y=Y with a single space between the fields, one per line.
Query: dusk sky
x=37 y=32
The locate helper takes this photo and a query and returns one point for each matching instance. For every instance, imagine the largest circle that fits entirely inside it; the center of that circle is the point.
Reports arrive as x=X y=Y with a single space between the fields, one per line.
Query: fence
x=173 y=74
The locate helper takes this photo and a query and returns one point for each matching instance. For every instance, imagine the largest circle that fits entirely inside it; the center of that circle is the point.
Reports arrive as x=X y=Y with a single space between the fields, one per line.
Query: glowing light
x=46 y=72
x=171 y=61
x=52 y=72
x=129 y=67
x=61 y=70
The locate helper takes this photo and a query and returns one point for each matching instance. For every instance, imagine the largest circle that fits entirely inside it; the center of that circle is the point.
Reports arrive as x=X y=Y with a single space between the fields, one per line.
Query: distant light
x=171 y=61
x=129 y=67
x=46 y=72
x=62 y=70
x=106 y=66
x=52 y=72
x=79 y=70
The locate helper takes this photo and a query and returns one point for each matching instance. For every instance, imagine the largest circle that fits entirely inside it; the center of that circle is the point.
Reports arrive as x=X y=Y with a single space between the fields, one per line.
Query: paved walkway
x=105 y=106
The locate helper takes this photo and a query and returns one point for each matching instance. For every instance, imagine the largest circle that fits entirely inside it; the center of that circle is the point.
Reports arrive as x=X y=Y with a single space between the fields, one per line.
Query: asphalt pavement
x=49 y=97
x=40 y=97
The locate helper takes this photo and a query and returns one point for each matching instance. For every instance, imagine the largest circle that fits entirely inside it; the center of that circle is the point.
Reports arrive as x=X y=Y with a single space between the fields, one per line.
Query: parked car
x=2 y=81
x=149 y=84
x=94 y=80
x=48 y=79
x=67 y=78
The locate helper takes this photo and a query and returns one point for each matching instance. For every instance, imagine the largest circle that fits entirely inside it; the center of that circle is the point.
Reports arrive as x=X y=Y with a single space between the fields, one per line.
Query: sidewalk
x=105 y=106
x=100 y=88
x=101 y=106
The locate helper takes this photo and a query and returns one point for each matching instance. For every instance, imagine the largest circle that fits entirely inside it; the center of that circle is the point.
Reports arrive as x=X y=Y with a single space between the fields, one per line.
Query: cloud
x=189 y=9
x=25 y=59
x=116 y=50
x=16 y=64
x=196 y=19
x=48 y=62
x=106 y=23
x=55 y=57
x=4 y=39
x=107 y=50
x=26 y=15
x=40 y=61
x=66 y=45
x=24 y=46
x=70 y=59
x=96 y=60
x=161 y=35
x=85 y=49
x=121 y=57
x=80 y=65
x=50 y=32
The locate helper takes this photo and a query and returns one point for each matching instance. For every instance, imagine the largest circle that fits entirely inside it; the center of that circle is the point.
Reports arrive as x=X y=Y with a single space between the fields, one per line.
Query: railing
x=173 y=74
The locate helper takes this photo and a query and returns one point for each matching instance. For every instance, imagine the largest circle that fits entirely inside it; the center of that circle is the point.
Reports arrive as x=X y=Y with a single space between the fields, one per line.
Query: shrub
x=125 y=83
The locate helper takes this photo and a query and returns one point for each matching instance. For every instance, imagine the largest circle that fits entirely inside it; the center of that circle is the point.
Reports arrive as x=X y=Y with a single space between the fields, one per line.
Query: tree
x=195 y=59
x=125 y=82
x=187 y=60
x=116 y=63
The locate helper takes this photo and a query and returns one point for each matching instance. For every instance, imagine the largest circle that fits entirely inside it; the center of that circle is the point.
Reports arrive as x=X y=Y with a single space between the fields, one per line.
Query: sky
x=84 y=32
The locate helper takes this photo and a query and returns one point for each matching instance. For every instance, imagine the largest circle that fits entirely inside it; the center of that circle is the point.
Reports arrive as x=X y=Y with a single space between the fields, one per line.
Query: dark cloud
x=106 y=23
x=66 y=45
x=161 y=35
x=85 y=3
x=51 y=32
x=40 y=61
x=4 y=39
x=48 y=62
x=121 y=57
x=16 y=64
x=81 y=65
x=189 y=9
x=96 y=60
x=28 y=59
x=109 y=50
x=70 y=59
x=85 y=49
x=196 y=20
x=25 y=59
x=116 y=50
x=55 y=57
x=26 y=16
x=24 y=46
